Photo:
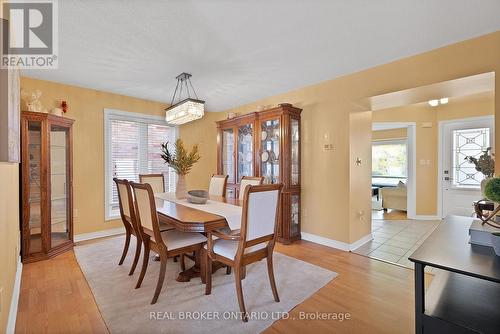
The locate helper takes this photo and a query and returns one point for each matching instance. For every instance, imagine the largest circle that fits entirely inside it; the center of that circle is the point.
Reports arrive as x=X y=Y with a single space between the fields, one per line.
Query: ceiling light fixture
x=187 y=110
x=443 y=100
x=433 y=103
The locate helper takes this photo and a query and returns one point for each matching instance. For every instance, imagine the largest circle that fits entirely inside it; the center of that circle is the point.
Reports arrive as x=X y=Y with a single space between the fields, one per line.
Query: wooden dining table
x=194 y=220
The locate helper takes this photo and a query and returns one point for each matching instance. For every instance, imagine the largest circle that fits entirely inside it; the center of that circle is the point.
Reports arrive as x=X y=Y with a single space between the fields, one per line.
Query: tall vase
x=180 y=189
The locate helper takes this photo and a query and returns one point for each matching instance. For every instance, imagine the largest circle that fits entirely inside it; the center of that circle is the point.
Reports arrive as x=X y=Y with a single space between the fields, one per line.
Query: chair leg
x=176 y=258
x=208 y=274
x=145 y=261
x=228 y=270
x=239 y=292
x=136 y=257
x=183 y=262
x=161 y=277
x=125 y=247
x=270 y=272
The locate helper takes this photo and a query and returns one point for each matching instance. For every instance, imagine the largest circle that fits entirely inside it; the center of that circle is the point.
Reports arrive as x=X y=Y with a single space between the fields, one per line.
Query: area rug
x=184 y=307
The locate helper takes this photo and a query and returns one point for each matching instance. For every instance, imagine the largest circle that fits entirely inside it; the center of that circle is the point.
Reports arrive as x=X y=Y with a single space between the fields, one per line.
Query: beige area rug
x=128 y=310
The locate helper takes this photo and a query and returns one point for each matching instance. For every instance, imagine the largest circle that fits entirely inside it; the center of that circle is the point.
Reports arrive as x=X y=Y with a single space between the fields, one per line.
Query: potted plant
x=181 y=161
x=484 y=164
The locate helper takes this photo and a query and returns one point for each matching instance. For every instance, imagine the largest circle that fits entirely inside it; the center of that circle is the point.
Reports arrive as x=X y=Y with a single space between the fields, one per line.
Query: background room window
x=133 y=147
x=389 y=162
x=468 y=142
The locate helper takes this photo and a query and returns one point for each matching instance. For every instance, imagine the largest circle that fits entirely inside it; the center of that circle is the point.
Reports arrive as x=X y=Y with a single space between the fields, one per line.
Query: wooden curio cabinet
x=265 y=143
x=46 y=186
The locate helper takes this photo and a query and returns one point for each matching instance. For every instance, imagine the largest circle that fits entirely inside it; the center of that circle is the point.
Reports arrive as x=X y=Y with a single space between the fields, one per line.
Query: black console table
x=464 y=296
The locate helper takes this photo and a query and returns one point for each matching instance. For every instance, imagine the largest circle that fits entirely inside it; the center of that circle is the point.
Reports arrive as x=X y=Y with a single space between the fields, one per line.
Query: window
x=132 y=147
x=468 y=142
x=389 y=162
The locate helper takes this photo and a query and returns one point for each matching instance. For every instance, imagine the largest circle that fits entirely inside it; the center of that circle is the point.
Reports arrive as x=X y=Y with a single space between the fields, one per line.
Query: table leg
x=419 y=296
x=194 y=271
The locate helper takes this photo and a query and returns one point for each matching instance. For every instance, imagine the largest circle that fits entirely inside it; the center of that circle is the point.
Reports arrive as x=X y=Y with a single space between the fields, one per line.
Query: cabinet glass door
x=59 y=185
x=245 y=151
x=34 y=177
x=270 y=151
x=228 y=154
x=295 y=140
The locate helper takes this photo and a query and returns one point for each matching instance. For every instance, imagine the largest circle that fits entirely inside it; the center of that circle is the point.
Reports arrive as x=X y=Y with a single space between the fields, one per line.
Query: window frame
x=394 y=141
x=109 y=116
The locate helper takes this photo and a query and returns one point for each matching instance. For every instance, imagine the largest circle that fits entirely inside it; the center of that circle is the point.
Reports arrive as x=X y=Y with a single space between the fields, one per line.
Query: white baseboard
x=11 y=322
x=98 y=234
x=360 y=242
x=424 y=217
x=335 y=243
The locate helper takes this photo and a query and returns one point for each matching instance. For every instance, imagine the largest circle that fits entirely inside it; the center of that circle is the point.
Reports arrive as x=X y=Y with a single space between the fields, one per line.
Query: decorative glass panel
x=59 y=182
x=295 y=152
x=295 y=212
x=245 y=151
x=228 y=154
x=468 y=142
x=35 y=211
x=269 y=156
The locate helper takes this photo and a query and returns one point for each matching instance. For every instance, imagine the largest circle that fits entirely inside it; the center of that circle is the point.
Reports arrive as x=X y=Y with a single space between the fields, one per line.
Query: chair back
x=145 y=210
x=157 y=181
x=259 y=221
x=218 y=185
x=249 y=180
x=126 y=203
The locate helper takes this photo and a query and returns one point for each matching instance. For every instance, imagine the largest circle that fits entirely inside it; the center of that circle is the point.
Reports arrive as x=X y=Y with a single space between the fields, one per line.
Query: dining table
x=193 y=219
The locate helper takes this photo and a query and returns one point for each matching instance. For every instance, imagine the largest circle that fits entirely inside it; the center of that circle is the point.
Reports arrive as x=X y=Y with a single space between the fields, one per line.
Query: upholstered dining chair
x=249 y=180
x=157 y=181
x=218 y=185
x=127 y=214
x=166 y=244
x=259 y=223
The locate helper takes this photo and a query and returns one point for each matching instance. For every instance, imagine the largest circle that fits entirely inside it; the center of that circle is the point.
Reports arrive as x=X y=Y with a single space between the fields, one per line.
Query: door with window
x=460 y=181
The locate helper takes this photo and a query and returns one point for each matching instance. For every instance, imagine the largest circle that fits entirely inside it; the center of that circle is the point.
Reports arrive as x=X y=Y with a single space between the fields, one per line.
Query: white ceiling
x=243 y=51
x=475 y=84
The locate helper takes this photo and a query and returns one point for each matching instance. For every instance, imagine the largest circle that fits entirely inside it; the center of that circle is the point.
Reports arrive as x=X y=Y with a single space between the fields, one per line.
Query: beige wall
x=9 y=234
x=427 y=138
x=389 y=134
x=326 y=108
x=360 y=174
x=86 y=108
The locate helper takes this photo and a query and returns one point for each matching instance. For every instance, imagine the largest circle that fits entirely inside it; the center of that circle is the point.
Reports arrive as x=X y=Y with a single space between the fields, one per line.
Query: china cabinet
x=267 y=144
x=46 y=185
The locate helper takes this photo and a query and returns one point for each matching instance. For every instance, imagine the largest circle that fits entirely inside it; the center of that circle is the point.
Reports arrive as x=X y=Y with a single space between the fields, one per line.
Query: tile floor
x=395 y=240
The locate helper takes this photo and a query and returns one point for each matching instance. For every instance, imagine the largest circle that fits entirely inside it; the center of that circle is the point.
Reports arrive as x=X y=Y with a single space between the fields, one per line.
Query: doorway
x=458 y=180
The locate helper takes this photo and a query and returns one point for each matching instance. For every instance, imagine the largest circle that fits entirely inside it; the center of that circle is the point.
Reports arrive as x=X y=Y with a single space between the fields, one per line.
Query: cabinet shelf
x=47 y=222
x=282 y=125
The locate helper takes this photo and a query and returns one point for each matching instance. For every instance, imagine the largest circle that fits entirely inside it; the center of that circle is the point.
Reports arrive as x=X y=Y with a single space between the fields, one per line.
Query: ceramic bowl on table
x=197 y=196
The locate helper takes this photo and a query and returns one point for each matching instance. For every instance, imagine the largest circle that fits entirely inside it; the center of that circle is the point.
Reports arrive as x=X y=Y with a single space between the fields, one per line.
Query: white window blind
x=133 y=147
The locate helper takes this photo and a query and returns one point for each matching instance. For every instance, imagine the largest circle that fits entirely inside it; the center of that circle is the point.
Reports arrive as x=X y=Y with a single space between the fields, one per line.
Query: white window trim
x=114 y=114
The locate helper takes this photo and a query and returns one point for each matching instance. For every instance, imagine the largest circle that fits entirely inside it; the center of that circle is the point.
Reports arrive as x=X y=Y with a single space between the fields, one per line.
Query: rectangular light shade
x=185 y=111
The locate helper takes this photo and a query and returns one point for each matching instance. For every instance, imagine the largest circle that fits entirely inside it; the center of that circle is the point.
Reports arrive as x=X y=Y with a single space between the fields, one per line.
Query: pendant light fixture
x=187 y=110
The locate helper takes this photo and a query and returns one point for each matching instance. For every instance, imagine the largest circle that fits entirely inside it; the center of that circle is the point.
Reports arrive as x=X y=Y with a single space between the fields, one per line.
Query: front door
x=460 y=180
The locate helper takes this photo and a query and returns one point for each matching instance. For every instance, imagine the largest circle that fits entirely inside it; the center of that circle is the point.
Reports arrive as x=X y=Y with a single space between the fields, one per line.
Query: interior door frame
x=441 y=150
x=411 y=186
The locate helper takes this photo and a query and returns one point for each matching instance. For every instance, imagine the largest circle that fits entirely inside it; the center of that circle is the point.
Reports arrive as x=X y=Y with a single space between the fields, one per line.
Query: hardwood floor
x=55 y=297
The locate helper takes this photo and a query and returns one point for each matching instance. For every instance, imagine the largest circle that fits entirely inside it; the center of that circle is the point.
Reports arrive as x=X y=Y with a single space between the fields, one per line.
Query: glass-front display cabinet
x=267 y=144
x=46 y=185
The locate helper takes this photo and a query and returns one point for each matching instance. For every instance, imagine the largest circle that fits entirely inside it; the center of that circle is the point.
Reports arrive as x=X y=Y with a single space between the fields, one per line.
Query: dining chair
x=166 y=244
x=249 y=180
x=218 y=185
x=127 y=214
x=259 y=224
x=157 y=181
